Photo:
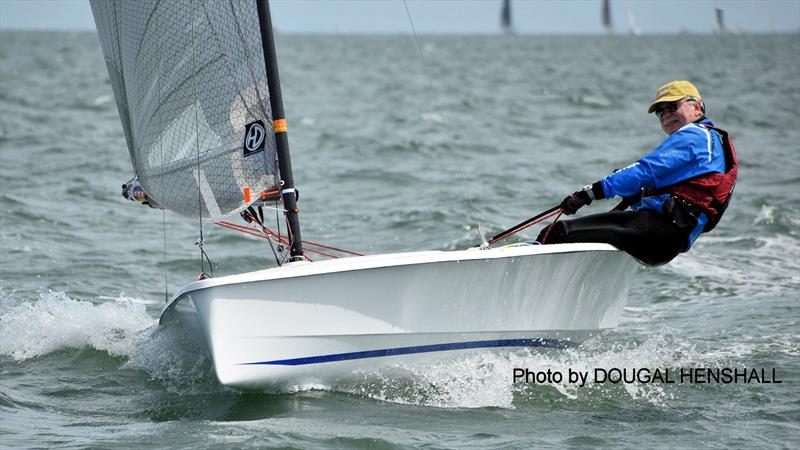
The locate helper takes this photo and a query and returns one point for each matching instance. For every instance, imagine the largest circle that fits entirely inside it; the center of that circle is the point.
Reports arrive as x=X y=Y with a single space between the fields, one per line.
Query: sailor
x=675 y=193
x=133 y=190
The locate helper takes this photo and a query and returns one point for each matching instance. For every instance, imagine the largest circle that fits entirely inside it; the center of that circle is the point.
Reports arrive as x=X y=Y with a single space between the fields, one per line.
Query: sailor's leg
x=646 y=235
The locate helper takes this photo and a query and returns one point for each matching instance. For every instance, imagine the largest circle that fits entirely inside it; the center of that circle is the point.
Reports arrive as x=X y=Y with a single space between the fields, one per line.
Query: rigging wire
x=249 y=216
x=161 y=154
x=274 y=253
x=449 y=134
x=290 y=241
x=200 y=240
x=276 y=170
x=166 y=280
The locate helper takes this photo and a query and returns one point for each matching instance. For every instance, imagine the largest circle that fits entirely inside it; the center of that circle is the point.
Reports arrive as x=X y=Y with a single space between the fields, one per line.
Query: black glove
x=574 y=202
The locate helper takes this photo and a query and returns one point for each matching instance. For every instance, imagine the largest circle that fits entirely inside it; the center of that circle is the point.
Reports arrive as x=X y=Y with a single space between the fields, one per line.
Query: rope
x=252 y=216
x=525 y=225
x=550 y=227
x=269 y=234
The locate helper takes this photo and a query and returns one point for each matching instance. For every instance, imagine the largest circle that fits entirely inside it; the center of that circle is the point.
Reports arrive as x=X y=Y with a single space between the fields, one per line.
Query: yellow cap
x=673 y=91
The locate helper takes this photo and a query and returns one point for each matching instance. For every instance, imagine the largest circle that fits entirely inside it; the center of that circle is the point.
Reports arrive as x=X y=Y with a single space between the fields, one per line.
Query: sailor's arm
x=670 y=162
x=676 y=159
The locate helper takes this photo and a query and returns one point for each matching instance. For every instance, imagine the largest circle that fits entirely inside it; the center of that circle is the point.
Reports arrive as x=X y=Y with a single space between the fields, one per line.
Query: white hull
x=309 y=323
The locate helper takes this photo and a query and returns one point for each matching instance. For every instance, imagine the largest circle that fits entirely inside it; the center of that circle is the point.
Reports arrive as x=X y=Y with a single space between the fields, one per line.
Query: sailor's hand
x=125 y=188
x=576 y=201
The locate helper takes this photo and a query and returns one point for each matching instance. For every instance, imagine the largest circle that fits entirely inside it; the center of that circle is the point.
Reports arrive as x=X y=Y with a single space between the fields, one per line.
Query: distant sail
x=190 y=82
x=607 y=17
x=505 y=17
x=632 y=27
x=719 y=24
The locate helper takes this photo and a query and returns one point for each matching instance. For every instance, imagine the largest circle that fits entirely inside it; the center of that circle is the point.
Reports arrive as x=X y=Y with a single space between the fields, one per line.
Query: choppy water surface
x=526 y=120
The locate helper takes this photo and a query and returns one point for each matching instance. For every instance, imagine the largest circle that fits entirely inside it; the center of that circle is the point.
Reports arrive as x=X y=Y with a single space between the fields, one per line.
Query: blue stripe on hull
x=543 y=343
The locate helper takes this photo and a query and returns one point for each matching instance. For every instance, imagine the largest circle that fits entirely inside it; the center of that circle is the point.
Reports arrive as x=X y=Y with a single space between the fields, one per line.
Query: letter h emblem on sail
x=254 y=138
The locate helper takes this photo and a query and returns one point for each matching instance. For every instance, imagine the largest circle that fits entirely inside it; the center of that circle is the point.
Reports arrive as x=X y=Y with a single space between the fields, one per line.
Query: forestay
x=191 y=89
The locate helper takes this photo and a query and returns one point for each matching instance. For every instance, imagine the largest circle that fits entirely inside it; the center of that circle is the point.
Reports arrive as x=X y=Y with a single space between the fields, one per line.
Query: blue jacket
x=691 y=151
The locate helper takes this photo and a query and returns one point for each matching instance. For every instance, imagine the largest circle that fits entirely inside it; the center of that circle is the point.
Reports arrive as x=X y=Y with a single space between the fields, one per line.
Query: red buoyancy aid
x=710 y=192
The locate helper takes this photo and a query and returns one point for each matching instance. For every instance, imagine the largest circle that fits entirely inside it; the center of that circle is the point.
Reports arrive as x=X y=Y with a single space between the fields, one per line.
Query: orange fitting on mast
x=279 y=125
x=266 y=194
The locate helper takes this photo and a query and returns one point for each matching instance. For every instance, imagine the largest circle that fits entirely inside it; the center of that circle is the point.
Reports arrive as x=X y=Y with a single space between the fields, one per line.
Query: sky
x=462 y=16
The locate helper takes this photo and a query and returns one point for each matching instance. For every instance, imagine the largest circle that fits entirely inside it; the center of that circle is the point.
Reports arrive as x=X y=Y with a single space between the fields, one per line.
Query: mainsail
x=191 y=90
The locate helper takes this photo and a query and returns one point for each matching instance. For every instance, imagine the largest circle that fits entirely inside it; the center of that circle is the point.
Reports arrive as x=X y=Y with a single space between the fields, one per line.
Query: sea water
x=397 y=152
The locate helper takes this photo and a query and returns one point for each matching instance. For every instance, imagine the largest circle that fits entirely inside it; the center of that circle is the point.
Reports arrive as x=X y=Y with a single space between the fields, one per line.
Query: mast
x=288 y=192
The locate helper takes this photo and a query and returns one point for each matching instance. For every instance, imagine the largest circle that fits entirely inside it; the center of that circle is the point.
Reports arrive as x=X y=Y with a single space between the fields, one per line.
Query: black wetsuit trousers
x=648 y=236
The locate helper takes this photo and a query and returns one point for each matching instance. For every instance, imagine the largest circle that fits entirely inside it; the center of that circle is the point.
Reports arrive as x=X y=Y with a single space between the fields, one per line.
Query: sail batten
x=189 y=80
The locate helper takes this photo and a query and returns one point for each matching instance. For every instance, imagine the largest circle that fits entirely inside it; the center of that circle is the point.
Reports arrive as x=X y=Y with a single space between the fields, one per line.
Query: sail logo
x=254 y=137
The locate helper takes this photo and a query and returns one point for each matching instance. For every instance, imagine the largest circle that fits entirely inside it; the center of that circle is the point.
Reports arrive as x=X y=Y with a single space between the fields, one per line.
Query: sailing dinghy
x=198 y=93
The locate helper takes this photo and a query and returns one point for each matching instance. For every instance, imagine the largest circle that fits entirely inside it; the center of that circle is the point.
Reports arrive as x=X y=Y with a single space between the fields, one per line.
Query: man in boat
x=133 y=191
x=674 y=193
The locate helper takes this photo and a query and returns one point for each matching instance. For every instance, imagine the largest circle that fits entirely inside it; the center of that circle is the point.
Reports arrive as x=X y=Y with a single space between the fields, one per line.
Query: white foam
x=433 y=117
x=102 y=100
x=138 y=301
x=594 y=100
x=171 y=356
x=769 y=215
x=120 y=326
x=750 y=271
x=55 y=322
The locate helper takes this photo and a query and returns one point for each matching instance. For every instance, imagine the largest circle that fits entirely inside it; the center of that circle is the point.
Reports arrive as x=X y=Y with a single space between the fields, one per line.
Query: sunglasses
x=672 y=106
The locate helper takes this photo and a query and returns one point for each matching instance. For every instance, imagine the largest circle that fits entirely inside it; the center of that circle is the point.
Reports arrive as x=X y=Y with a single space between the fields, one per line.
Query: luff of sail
x=189 y=81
